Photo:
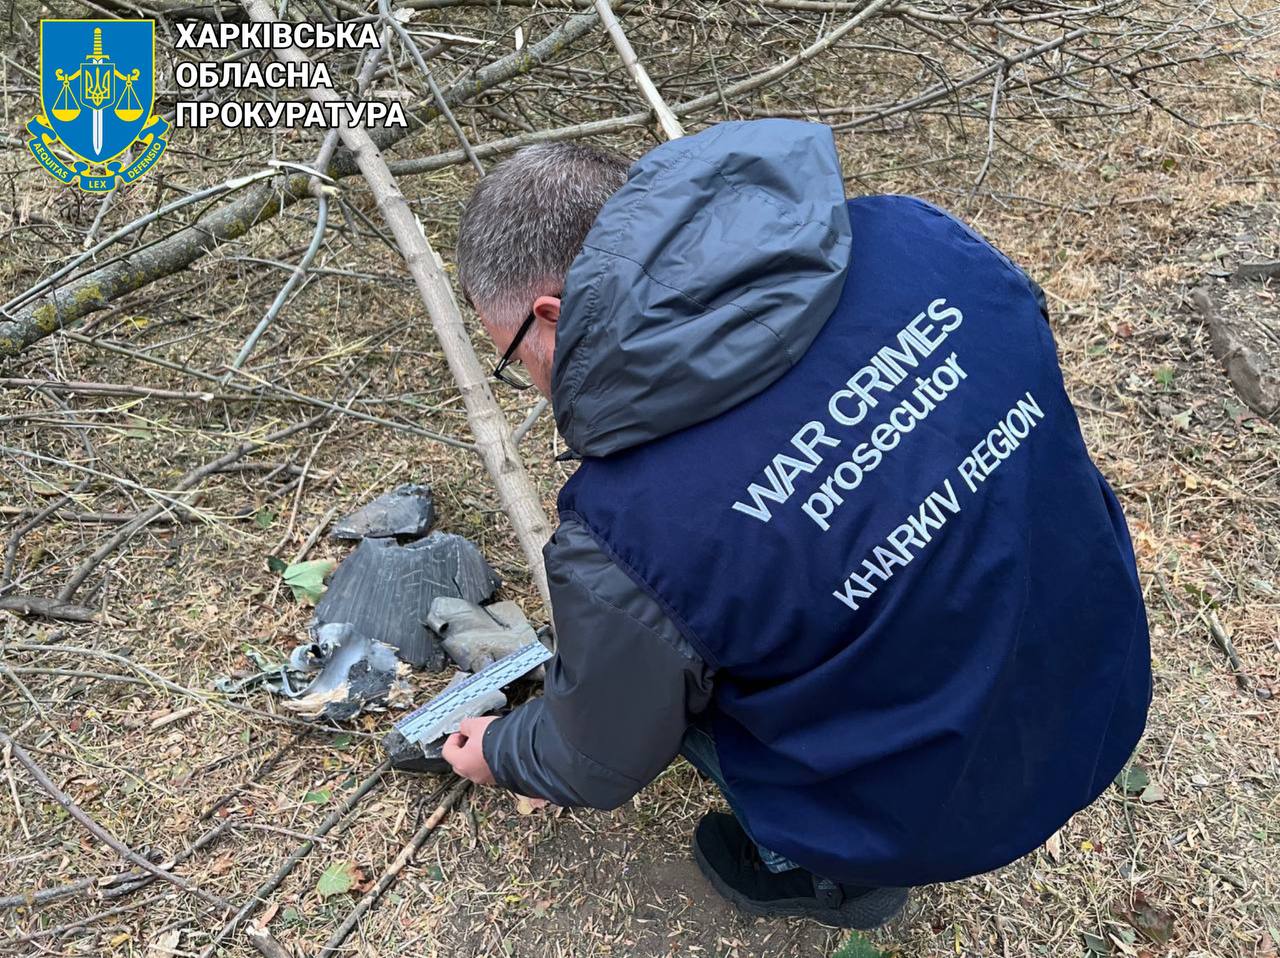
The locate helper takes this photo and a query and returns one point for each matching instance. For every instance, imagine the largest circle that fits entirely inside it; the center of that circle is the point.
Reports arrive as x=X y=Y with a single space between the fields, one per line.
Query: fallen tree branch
x=1258 y=270
x=132 y=227
x=267 y=946
x=44 y=607
x=104 y=836
x=696 y=105
x=114 y=886
x=493 y=440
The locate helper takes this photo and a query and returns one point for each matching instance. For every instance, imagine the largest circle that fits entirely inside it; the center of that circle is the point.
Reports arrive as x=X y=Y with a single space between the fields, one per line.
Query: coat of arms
x=97 y=85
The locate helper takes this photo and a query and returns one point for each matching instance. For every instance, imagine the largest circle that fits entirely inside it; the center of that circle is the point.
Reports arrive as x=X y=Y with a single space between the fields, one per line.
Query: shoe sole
x=864 y=913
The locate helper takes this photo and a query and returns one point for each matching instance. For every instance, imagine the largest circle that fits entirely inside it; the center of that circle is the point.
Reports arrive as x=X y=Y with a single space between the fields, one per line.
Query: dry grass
x=1117 y=218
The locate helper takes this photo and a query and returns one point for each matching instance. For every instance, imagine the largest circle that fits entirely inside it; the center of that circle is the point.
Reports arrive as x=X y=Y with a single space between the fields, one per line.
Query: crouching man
x=835 y=536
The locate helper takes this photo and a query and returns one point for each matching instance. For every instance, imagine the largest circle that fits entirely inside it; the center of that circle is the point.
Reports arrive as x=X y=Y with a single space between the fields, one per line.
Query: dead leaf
x=1133 y=779
x=527 y=806
x=265 y=918
x=1053 y=847
x=1151 y=794
x=165 y=945
x=1152 y=922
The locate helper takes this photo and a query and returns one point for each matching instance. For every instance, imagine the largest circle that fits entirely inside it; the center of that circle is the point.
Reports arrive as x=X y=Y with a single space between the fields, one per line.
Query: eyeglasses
x=504 y=371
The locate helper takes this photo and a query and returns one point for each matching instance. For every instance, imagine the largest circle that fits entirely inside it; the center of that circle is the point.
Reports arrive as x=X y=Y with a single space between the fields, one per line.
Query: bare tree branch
x=104 y=836
x=670 y=125
x=493 y=436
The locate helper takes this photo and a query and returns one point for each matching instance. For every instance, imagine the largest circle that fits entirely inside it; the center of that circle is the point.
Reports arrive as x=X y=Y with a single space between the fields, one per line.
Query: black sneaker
x=729 y=858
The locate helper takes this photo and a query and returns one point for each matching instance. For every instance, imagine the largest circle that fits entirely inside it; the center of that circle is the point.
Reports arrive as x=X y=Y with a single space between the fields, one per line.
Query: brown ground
x=1118 y=219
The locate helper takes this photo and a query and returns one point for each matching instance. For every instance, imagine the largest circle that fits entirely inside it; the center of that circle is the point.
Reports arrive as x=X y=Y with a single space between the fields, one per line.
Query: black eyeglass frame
x=508 y=358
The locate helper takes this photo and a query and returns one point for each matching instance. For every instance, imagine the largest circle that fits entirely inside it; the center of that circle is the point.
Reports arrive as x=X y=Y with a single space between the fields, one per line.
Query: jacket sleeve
x=619 y=692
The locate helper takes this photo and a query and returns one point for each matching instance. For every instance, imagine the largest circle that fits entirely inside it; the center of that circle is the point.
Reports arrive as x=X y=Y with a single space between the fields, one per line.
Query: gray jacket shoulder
x=619 y=693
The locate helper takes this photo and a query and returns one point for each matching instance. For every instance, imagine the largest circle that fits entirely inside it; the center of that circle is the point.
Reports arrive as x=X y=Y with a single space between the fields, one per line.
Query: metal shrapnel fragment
x=405 y=512
x=356 y=674
x=385 y=590
x=409 y=756
x=475 y=635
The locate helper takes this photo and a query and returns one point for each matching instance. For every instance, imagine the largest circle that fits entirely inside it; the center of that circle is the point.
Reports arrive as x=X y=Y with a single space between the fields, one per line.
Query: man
x=835 y=536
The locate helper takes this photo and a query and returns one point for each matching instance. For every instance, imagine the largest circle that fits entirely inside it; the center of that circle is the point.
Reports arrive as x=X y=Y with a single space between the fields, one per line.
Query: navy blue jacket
x=833 y=496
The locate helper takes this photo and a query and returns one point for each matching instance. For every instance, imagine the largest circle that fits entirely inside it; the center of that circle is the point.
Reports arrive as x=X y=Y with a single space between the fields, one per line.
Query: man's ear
x=547 y=309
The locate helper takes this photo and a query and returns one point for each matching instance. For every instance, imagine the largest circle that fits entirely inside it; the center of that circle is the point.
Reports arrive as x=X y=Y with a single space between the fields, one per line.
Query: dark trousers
x=699 y=748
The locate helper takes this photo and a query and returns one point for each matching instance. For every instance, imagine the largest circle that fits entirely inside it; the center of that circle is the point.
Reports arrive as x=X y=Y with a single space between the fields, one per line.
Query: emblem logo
x=97 y=86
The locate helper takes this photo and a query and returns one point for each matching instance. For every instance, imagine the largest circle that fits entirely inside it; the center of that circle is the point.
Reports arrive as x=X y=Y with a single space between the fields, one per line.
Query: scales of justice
x=97 y=75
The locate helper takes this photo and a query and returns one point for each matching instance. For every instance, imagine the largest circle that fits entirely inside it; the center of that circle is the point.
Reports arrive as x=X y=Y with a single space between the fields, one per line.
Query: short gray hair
x=526 y=222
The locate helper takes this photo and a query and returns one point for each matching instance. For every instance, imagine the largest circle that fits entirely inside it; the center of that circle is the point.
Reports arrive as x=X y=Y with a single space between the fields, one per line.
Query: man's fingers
x=452 y=747
x=468 y=726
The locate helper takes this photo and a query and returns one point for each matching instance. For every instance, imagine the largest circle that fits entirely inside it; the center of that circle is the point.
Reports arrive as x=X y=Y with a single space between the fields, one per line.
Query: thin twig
x=1228 y=648
x=320 y=187
x=996 y=86
x=60 y=930
x=114 y=886
x=299 y=271
x=384 y=7
x=13 y=793
x=77 y=387
x=522 y=430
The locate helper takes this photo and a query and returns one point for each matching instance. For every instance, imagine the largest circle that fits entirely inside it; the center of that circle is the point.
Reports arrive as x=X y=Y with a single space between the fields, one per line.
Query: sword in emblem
x=96 y=73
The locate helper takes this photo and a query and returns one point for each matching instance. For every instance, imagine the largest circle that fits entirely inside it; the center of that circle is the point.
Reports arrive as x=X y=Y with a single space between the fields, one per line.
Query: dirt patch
x=610 y=884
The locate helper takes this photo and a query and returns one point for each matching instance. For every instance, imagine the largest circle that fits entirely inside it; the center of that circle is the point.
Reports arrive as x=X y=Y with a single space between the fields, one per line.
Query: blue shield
x=97 y=82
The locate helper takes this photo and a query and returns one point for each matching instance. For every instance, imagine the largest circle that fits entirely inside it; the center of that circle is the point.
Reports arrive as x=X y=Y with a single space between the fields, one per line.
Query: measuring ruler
x=428 y=722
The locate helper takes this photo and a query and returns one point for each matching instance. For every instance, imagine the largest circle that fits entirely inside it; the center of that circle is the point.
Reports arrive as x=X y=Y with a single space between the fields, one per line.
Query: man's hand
x=463 y=750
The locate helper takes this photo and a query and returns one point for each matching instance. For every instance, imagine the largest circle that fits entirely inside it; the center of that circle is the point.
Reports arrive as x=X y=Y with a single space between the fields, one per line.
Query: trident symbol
x=96 y=75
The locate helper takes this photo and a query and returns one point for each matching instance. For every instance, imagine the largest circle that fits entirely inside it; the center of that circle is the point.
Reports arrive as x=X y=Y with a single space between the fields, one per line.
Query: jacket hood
x=703 y=280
